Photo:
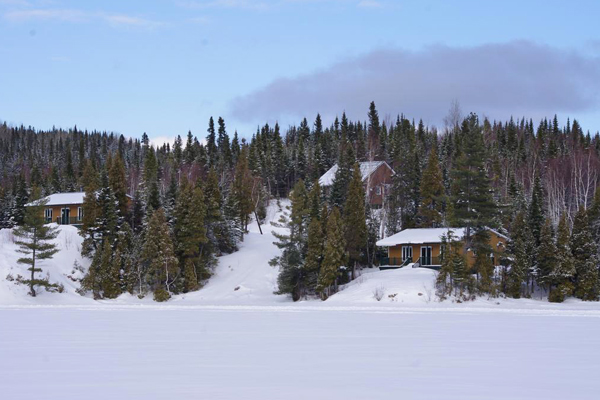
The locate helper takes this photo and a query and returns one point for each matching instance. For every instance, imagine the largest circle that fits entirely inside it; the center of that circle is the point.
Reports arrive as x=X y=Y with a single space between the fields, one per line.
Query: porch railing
x=394 y=261
x=428 y=262
x=68 y=221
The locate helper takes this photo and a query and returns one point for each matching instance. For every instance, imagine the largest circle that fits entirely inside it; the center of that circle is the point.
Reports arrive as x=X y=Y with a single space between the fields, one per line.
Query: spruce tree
x=190 y=235
x=430 y=212
x=159 y=256
x=355 y=220
x=334 y=255
x=242 y=190
x=34 y=239
x=118 y=184
x=91 y=211
x=343 y=176
x=585 y=255
x=211 y=143
x=314 y=253
x=520 y=258
x=564 y=270
x=546 y=256
x=536 y=213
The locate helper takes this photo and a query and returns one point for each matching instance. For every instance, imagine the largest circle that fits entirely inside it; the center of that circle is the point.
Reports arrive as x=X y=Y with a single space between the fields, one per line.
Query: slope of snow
x=245 y=277
x=60 y=269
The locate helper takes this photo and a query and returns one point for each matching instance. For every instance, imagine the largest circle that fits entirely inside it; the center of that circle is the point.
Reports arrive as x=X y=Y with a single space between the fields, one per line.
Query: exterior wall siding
x=498 y=244
x=57 y=212
x=381 y=177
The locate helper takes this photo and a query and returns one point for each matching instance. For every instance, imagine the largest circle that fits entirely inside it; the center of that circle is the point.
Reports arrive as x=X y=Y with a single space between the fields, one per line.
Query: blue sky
x=164 y=67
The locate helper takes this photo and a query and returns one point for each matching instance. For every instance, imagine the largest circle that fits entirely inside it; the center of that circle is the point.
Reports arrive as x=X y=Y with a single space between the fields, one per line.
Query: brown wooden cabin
x=422 y=247
x=377 y=178
x=65 y=208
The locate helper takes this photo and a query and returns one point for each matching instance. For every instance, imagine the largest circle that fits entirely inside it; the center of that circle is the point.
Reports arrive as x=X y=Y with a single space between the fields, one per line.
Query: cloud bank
x=498 y=80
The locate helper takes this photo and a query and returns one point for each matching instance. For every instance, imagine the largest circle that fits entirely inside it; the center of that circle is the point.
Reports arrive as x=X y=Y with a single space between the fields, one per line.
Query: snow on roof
x=59 y=199
x=366 y=169
x=425 y=235
x=420 y=235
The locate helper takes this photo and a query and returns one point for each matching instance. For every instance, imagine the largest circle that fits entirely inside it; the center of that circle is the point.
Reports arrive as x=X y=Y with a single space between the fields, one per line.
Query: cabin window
x=407 y=253
x=79 y=213
x=48 y=214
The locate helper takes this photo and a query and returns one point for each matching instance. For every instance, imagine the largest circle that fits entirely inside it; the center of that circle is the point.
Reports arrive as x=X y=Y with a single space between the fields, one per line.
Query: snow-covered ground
x=235 y=339
x=157 y=352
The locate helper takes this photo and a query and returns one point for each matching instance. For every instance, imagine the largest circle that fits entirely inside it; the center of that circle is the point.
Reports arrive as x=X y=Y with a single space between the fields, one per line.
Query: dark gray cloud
x=499 y=80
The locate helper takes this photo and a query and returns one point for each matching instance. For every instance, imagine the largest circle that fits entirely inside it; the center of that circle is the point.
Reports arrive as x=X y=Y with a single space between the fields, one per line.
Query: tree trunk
x=32 y=290
x=257 y=221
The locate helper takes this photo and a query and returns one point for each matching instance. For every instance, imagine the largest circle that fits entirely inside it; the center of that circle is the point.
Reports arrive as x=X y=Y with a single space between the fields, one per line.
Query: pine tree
x=472 y=203
x=520 y=257
x=211 y=144
x=159 y=256
x=343 y=176
x=91 y=211
x=355 y=220
x=430 y=212
x=291 y=276
x=564 y=270
x=190 y=235
x=454 y=274
x=536 y=213
x=110 y=267
x=34 y=239
x=242 y=190
x=300 y=215
x=546 y=255
x=118 y=184
x=585 y=255
x=334 y=255
x=314 y=253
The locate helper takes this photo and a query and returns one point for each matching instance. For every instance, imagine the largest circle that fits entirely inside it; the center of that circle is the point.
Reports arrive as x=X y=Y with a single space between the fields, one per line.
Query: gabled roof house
x=376 y=176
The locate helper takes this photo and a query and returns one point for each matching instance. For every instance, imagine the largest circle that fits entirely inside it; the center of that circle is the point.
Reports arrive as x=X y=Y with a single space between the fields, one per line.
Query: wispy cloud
x=516 y=78
x=46 y=14
x=240 y=4
x=74 y=15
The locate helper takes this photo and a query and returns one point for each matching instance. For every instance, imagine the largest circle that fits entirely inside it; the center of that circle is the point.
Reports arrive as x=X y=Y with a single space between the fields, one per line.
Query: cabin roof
x=63 y=199
x=59 y=199
x=424 y=235
x=366 y=169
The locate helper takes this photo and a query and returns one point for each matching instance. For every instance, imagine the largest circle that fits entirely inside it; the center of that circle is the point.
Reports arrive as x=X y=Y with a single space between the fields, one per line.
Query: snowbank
x=404 y=286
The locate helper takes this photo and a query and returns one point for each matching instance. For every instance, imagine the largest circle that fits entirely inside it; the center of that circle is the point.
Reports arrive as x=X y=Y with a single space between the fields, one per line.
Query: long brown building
x=422 y=246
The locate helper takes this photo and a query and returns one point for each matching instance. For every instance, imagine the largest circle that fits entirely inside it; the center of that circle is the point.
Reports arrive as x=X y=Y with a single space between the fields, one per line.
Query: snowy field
x=235 y=339
x=278 y=352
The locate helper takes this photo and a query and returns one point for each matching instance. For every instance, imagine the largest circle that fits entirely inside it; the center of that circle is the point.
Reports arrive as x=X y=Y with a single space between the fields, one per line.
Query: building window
x=378 y=190
x=79 y=213
x=407 y=253
x=48 y=214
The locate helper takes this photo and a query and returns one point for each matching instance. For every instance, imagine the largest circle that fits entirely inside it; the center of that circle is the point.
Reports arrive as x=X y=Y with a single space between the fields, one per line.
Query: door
x=426 y=255
x=407 y=253
x=66 y=213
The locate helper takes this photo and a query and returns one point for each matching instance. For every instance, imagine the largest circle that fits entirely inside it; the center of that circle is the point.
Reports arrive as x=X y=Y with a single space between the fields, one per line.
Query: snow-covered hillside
x=66 y=268
x=245 y=278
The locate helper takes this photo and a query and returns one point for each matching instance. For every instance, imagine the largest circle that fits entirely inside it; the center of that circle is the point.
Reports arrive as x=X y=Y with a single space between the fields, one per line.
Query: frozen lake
x=296 y=353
